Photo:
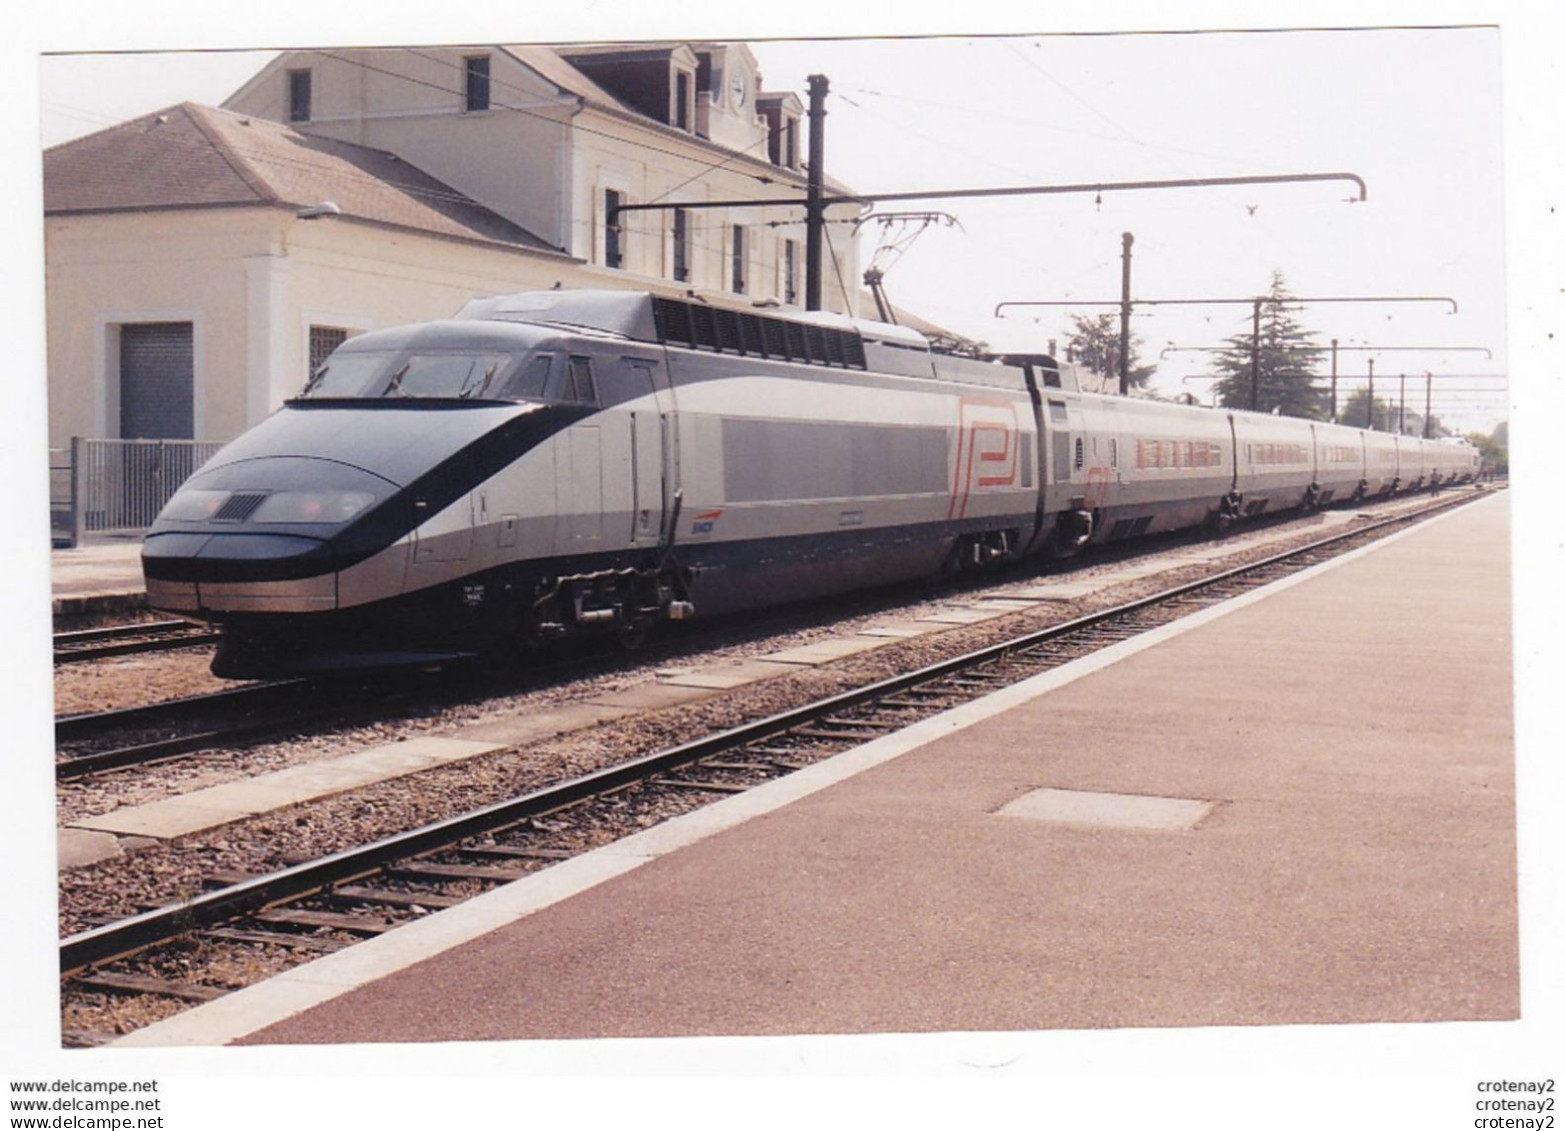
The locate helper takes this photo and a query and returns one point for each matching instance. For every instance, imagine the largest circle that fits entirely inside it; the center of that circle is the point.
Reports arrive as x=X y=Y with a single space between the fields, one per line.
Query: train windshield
x=445 y=376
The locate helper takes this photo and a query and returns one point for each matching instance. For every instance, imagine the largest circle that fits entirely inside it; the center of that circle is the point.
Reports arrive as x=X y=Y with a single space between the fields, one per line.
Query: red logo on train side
x=987 y=450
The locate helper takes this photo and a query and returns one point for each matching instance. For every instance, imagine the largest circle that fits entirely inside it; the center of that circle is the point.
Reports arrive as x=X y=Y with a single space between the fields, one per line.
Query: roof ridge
x=258 y=184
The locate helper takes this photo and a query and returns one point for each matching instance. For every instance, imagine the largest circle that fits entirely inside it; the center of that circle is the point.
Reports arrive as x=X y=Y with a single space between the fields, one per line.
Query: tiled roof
x=195 y=156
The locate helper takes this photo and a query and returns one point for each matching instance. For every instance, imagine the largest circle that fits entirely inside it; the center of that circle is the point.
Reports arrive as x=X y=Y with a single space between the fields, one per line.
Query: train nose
x=258 y=535
x=202 y=573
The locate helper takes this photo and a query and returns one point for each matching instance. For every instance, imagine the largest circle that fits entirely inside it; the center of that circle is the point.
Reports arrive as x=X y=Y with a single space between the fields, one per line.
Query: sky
x=955 y=112
x=1456 y=131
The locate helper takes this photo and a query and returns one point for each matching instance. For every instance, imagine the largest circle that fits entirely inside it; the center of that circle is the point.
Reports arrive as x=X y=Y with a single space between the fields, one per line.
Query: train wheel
x=632 y=633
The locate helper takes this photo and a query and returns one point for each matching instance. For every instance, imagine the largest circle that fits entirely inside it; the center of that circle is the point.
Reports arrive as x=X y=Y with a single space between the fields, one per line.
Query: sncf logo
x=703 y=523
x=987 y=450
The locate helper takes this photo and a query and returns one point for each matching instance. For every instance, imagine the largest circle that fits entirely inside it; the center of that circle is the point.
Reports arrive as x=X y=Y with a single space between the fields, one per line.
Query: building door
x=157 y=381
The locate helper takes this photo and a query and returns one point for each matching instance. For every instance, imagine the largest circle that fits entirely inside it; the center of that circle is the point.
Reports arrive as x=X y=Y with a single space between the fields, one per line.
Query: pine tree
x=1288 y=357
x=1094 y=342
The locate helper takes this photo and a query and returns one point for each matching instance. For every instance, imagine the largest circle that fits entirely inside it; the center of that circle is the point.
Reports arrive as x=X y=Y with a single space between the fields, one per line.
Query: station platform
x=98 y=578
x=1294 y=808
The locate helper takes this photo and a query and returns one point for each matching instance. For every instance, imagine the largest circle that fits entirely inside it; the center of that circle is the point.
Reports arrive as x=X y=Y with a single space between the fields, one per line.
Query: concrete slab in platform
x=737 y=675
x=537 y=726
x=901 y=630
x=966 y=614
x=1058 y=591
x=1360 y=866
x=76 y=848
x=217 y=805
x=825 y=651
x=652 y=696
x=1108 y=810
x=1006 y=602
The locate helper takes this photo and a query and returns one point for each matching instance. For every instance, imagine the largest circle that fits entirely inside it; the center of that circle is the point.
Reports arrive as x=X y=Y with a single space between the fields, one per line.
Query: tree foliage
x=1390 y=416
x=1094 y=342
x=1494 y=449
x=1287 y=382
x=1355 y=411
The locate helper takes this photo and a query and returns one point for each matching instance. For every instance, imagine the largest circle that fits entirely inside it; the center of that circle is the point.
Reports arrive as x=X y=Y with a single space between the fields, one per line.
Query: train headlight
x=327 y=507
x=192 y=505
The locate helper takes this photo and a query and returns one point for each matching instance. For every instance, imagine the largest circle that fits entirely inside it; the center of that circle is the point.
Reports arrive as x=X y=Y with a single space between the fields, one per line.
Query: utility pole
x=1333 y=416
x=1370 y=411
x=1125 y=240
x=814 y=209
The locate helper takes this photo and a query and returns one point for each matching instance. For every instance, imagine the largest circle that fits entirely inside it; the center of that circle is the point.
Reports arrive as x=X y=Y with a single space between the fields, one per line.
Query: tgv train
x=547 y=463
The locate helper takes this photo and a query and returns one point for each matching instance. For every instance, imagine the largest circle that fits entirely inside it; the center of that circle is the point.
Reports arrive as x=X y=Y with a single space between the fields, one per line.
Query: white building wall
x=543 y=163
x=509 y=157
x=252 y=282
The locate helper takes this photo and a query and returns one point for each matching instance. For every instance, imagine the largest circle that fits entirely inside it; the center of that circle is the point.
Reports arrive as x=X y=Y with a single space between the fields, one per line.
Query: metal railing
x=117 y=486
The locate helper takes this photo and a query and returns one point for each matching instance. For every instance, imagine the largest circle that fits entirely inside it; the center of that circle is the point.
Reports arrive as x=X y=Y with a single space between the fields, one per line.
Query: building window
x=612 y=253
x=477 y=82
x=782 y=143
x=738 y=260
x=682 y=100
x=299 y=96
x=790 y=285
x=681 y=245
x=323 y=339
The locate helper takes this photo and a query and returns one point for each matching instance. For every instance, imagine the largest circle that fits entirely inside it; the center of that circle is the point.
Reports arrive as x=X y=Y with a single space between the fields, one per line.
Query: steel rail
x=110 y=632
x=71 y=728
x=126 y=640
x=116 y=940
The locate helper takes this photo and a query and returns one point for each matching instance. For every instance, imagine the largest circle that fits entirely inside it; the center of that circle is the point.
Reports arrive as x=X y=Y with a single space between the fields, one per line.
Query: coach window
x=531 y=380
x=579 y=385
x=458 y=376
x=1113 y=452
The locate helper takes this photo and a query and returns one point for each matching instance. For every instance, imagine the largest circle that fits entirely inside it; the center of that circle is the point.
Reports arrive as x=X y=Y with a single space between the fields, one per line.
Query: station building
x=201 y=261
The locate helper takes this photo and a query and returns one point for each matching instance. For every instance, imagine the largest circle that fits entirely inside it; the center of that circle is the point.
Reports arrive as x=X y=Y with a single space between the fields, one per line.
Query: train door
x=1067 y=458
x=578 y=466
x=649 y=441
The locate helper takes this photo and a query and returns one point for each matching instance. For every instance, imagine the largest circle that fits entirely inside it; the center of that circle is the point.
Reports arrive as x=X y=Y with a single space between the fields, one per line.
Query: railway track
x=95 y=742
x=106 y=740
x=325 y=904
x=100 y=741
x=129 y=639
